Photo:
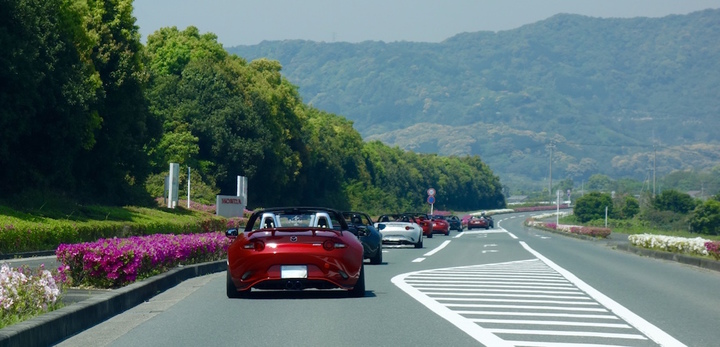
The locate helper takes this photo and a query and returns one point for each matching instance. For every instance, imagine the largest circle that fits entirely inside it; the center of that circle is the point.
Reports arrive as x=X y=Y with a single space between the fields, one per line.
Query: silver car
x=400 y=229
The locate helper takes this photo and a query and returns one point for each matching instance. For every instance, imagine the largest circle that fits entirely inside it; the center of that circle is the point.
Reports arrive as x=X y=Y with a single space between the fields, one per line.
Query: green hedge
x=20 y=232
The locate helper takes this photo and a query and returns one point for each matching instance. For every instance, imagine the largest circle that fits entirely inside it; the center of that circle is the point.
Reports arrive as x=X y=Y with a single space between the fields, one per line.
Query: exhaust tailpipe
x=294 y=285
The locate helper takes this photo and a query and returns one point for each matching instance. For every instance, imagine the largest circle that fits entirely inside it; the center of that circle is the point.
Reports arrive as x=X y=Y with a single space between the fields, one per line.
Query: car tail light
x=257 y=245
x=408 y=228
x=329 y=245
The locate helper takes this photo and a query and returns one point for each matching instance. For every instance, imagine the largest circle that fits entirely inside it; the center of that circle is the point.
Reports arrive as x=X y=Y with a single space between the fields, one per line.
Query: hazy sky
x=246 y=22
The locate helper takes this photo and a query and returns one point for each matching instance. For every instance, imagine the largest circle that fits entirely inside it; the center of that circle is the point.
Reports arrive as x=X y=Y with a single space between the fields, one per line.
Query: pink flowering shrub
x=713 y=248
x=25 y=293
x=109 y=263
x=572 y=229
x=592 y=231
x=236 y=222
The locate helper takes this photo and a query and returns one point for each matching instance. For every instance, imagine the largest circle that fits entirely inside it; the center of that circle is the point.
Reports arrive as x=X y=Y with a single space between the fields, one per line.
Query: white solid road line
x=638 y=322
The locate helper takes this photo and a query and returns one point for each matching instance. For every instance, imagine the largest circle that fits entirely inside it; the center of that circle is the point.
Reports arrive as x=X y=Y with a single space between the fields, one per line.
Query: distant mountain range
x=606 y=96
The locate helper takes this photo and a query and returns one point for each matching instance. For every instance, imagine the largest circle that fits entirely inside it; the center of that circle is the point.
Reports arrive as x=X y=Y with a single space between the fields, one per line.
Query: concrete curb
x=26 y=255
x=55 y=326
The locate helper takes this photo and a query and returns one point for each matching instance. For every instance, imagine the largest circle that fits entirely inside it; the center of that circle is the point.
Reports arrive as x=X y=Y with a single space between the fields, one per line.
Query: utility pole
x=552 y=148
x=654 y=157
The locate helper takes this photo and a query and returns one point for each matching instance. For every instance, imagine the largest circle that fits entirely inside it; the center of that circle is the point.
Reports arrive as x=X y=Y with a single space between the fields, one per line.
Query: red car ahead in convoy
x=293 y=248
x=424 y=221
x=478 y=222
x=439 y=224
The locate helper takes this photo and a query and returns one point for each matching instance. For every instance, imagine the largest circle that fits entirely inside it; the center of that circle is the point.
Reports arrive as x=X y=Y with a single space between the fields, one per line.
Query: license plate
x=293 y=271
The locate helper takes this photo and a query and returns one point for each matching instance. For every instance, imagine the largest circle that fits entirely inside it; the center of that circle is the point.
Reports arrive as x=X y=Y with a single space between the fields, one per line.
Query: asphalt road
x=506 y=286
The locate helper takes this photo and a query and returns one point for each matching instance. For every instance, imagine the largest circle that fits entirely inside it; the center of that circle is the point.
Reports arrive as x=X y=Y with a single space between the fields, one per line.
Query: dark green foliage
x=675 y=201
x=90 y=114
x=706 y=219
x=600 y=182
x=592 y=206
x=664 y=220
x=245 y=119
x=629 y=207
x=115 y=168
x=46 y=93
x=462 y=183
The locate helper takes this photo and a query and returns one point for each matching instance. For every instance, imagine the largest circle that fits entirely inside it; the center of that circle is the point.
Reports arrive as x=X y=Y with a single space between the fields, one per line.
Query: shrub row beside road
x=693 y=246
x=111 y=263
x=24 y=232
x=536 y=221
x=105 y=263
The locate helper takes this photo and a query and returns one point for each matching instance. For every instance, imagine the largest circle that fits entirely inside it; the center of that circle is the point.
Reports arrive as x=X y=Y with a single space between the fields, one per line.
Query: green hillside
x=611 y=95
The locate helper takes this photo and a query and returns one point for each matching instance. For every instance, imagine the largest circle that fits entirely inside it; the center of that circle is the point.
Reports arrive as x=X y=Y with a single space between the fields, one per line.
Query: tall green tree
x=47 y=89
x=117 y=165
x=334 y=161
x=246 y=119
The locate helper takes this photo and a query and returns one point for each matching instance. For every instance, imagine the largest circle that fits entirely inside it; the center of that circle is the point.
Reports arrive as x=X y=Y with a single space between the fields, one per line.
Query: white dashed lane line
x=437 y=249
x=428 y=254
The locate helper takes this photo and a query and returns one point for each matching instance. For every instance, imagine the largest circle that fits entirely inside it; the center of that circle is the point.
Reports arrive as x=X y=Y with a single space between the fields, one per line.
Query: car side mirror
x=381 y=226
x=231 y=232
x=362 y=230
x=358 y=230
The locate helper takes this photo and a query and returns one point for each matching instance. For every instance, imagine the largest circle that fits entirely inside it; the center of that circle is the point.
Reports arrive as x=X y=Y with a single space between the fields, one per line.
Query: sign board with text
x=229 y=206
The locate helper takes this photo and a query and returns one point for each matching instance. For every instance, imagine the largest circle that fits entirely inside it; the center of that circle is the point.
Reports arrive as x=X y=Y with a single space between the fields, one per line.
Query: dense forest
x=617 y=97
x=89 y=112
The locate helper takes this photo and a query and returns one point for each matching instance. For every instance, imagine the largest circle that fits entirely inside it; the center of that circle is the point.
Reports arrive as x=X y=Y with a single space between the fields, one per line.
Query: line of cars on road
x=294 y=248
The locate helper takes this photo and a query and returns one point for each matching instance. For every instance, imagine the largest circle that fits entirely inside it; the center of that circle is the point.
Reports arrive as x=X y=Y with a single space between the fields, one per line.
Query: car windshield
x=295 y=218
x=396 y=218
x=355 y=218
x=437 y=216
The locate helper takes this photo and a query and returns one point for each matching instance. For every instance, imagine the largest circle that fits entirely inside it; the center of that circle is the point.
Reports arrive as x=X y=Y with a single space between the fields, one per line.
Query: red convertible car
x=440 y=225
x=293 y=248
x=424 y=221
x=478 y=222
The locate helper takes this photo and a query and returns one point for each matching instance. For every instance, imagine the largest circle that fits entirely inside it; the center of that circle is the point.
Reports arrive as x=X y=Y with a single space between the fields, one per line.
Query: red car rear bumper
x=339 y=268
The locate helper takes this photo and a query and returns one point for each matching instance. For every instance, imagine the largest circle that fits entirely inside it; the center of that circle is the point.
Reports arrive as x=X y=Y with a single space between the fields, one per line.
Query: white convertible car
x=400 y=229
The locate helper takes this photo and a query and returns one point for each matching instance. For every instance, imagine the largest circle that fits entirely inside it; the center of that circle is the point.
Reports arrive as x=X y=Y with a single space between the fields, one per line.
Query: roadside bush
x=629 y=207
x=695 y=246
x=706 y=219
x=591 y=231
x=110 y=263
x=28 y=233
x=592 y=206
x=664 y=220
x=26 y=293
x=713 y=248
x=572 y=229
x=675 y=201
